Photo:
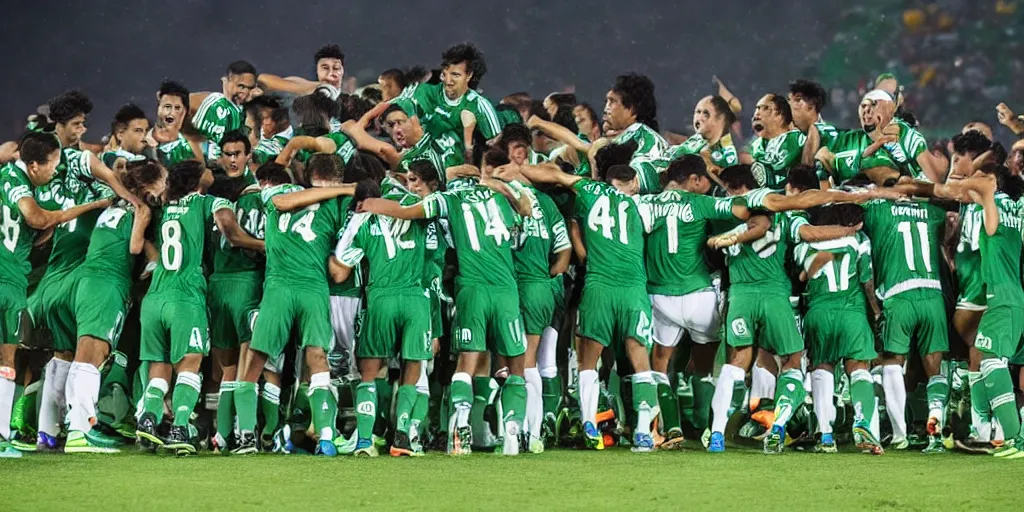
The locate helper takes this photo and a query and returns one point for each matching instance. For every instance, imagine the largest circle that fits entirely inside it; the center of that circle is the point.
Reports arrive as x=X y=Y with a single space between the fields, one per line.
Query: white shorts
x=696 y=313
x=344 y=315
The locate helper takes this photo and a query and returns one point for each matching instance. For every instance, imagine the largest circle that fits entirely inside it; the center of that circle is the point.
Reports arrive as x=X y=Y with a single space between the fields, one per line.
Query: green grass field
x=557 y=480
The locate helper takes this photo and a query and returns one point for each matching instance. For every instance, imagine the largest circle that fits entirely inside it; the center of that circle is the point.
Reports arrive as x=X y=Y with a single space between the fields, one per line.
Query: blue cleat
x=717 y=443
x=326 y=448
x=592 y=437
x=642 y=443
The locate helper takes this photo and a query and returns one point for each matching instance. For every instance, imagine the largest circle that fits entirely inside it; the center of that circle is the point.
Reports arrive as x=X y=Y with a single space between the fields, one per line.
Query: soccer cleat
x=402 y=446
x=460 y=441
x=326 y=448
x=283 y=440
x=365 y=448
x=947 y=441
x=934 y=445
x=266 y=442
x=865 y=440
x=97 y=437
x=78 y=442
x=826 y=445
x=547 y=429
x=179 y=441
x=45 y=443
x=20 y=445
x=18 y=414
x=511 y=444
x=1009 y=450
x=673 y=440
x=775 y=441
x=716 y=443
x=642 y=443
x=536 y=446
x=593 y=439
x=245 y=444
x=219 y=445
x=899 y=443
x=346 y=446
x=705 y=438
x=145 y=432
x=9 y=452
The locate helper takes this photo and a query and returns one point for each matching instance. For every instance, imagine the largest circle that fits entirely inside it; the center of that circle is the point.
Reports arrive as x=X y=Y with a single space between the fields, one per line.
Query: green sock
x=419 y=413
x=789 y=394
x=444 y=408
x=999 y=388
x=703 y=391
x=645 y=401
x=481 y=399
x=116 y=372
x=979 y=399
x=245 y=405
x=461 y=397
x=628 y=402
x=153 y=398
x=384 y=401
x=668 y=402
x=551 y=394
x=300 y=406
x=938 y=395
x=862 y=395
x=403 y=409
x=366 y=409
x=226 y=409
x=513 y=400
x=270 y=405
x=186 y=394
x=739 y=390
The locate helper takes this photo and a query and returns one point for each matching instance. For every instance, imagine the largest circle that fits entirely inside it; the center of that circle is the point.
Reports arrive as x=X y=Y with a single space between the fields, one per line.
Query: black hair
x=782 y=107
x=124 y=116
x=637 y=94
x=811 y=91
x=183 y=178
x=426 y=172
x=228 y=187
x=495 y=157
x=848 y=214
x=563 y=117
x=365 y=189
x=685 y=166
x=511 y=133
x=68 y=106
x=325 y=166
x=140 y=174
x=331 y=51
x=999 y=153
x=435 y=77
x=613 y=154
x=517 y=99
x=171 y=88
x=537 y=109
x=1005 y=182
x=236 y=136
x=563 y=99
x=37 y=147
x=971 y=141
x=392 y=108
x=723 y=108
x=365 y=165
x=859 y=180
x=803 y=177
x=620 y=172
x=278 y=112
x=474 y=59
x=594 y=118
x=404 y=77
x=736 y=176
x=241 y=67
x=906 y=116
x=352 y=107
x=372 y=95
x=314 y=110
x=274 y=173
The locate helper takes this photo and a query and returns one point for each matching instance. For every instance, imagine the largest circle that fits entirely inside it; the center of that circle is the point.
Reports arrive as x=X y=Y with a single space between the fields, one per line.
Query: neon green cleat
x=536 y=446
x=346 y=446
x=1009 y=450
x=79 y=442
x=934 y=446
x=9 y=452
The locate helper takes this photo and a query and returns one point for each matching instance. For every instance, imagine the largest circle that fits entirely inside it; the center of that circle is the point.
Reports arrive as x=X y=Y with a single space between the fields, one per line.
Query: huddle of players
x=640 y=212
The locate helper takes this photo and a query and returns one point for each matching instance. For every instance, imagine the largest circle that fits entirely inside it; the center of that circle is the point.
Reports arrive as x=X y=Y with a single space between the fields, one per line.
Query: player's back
x=613 y=227
x=109 y=246
x=1001 y=255
x=837 y=284
x=394 y=248
x=16 y=233
x=249 y=214
x=181 y=229
x=905 y=238
x=299 y=242
x=543 y=233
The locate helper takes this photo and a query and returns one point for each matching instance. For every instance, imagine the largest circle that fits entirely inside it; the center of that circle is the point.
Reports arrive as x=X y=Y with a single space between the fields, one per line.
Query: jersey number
x=302 y=227
x=908 y=244
x=600 y=220
x=11 y=229
x=494 y=225
x=170 y=247
x=842 y=281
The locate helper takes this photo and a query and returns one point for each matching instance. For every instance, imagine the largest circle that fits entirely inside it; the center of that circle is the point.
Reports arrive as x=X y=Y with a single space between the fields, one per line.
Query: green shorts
x=1000 y=331
x=836 y=334
x=12 y=303
x=915 y=314
x=172 y=327
x=487 y=318
x=436 y=325
x=52 y=305
x=304 y=307
x=611 y=314
x=537 y=302
x=396 y=323
x=233 y=300
x=762 y=319
x=971 y=295
x=101 y=305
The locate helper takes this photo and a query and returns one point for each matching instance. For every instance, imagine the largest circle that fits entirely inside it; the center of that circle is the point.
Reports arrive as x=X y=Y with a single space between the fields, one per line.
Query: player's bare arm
x=576 y=238
x=561 y=262
x=39 y=218
x=305 y=142
x=291 y=84
x=108 y=176
x=302 y=198
x=139 y=225
x=391 y=208
x=755 y=228
x=366 y=142
x=339 y=272
x=558 y=132
x=549 y=174
x=811 y=233
x=227 y=223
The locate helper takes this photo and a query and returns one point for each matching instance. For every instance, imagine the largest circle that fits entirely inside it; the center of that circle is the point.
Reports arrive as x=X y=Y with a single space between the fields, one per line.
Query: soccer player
x=845 y=155
x=712 y=141
x=275 y=130
x=1000 y=332
x=587 y=123
x=171 y=109
x=175 y=333
x=806 y=100
x=486 y=302
x=101 y=299
x=679 y=284
x=778 y=145
x=909 y=149
x=631 y=111
x=839 y=288
x=127 y=137
x=299 y=239
x=314 y=113
x=415 y=143
x=39 y=156
x=329 y=62
x=235 y=153
x=216 y=113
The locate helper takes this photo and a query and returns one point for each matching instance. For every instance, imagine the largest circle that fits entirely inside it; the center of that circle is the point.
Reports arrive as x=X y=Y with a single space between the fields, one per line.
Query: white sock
x=645 y=412
x=895 y=398
x=823 y=385
x=460 y=416
x=6 y=401
x=997 y=430
x=589 y=393
x=84 y=388
x=982 y=426
x=762 y=383
x=722 y=398
x=547 y=354
x=49 y=409
x=876 y=428
x=534 y=404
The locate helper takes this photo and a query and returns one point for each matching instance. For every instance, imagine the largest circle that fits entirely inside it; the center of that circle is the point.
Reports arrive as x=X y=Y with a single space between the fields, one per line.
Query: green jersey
x=216 y=116
x=16 y=233
x=675 y=247
x=177 y=150
x=827 y=131
x=481 y=224
x=543 y=235
x=394 y=250
x=760 y=266
x=74 y=185
x=109 y=158
x=905 y=236
x=847 y=147
x=1001 y=255
x=180 y=235
x=839 y=283
x=249 y=214
x=651 y=157
x=268 y=149
x=109 y=252
x=344 y=147
x=443 y=151
x=440 y=115
x=298 y=243
x=968 y=247
x=353 y=286
x=909 y=145
x=723 y=153
x=773 y=158
x=613 y=227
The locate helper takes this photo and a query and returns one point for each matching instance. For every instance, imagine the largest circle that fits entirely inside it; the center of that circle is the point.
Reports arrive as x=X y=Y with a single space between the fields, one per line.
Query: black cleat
x=145 y=432
x=179 y=441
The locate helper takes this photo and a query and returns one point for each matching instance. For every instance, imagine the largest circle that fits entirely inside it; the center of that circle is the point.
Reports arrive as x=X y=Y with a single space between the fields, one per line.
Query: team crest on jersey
x=760 y=173
x=739 y=327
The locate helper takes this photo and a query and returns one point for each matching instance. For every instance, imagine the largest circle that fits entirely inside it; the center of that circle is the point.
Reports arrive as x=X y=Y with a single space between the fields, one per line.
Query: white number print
x=494 y=225
x=302 y=227
x=600 y=219
x=908 y=244
x=170 y=246
x=842 y=281
x=11 y=229
x=392 y=231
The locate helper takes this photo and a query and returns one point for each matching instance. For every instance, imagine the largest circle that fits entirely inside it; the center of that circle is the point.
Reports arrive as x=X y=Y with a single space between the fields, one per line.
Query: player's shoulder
x=269 y=192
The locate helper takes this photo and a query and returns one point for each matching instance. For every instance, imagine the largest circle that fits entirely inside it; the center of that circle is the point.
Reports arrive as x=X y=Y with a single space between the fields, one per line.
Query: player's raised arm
x=139 y=225
x=393 y=209
x=305 y=142
x=302 y=198
x=518 y=197
x=811 y=233
x=366 y=142
x=549 y=173
x=755 y=228
x=103 y=173
x=559 y=133
x=39 y=218
x=227 y=223
x=291 y=84
x=982 y=190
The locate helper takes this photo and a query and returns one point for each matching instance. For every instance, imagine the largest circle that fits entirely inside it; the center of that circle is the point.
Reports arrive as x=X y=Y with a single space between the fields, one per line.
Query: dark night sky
x=119 y=51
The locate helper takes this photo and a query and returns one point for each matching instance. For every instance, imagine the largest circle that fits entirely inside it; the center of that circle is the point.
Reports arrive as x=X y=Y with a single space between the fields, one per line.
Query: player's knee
x=92 y=350
x=316 y=360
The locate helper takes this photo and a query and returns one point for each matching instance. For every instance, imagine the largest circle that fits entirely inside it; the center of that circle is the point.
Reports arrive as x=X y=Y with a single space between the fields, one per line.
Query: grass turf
x=559 y=479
